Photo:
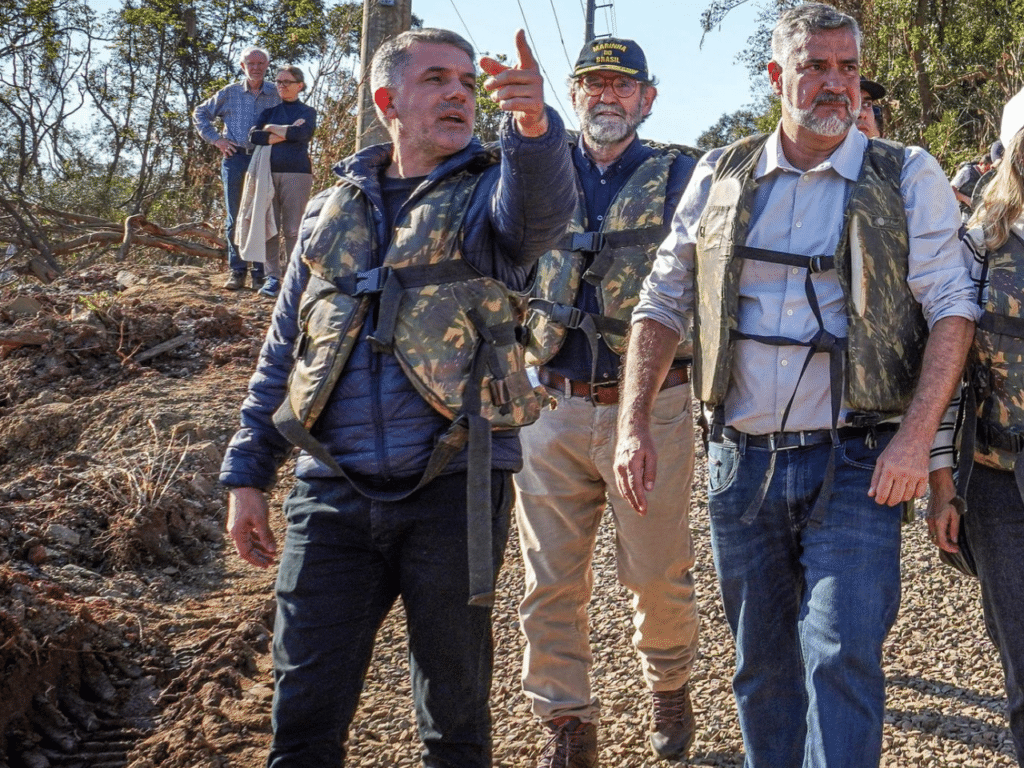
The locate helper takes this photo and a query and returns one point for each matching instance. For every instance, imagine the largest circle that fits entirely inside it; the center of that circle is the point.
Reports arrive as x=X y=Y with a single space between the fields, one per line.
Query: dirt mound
x=120 y=389
x=130 y=635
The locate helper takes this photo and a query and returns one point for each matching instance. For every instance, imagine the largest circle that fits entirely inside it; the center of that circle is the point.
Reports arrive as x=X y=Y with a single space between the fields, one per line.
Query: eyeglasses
x=285 y=82
x=594 y=85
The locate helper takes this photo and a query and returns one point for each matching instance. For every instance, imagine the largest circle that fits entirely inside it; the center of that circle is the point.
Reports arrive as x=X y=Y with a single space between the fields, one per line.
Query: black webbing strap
x=478 y=485
x=821 y=342
x=473 y=429
x=605 y=257
x=1004 y=324
x=592 y=242
x=812 y=264
x=446 y=448
x=592 y=325
x=387 y=283
x=573 y=317
x=603 y=245
x=968 y=440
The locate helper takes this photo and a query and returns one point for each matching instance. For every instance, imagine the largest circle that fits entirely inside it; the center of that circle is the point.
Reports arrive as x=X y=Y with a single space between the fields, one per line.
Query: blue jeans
x=809 y=604
x=232 y=176
x=995 y=530
x=345 y=560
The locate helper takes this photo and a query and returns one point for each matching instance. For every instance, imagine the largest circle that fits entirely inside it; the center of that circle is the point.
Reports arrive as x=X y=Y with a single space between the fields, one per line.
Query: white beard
x=824 y=126
x=603 y=130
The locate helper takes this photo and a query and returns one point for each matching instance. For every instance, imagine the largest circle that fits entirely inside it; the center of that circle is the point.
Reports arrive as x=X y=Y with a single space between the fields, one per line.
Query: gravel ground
x=944 y=690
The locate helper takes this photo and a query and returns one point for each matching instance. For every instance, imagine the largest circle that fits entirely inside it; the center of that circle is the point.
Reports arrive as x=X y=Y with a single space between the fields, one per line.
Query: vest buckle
x=371 y=281
x=570 y=317
x=589 y=242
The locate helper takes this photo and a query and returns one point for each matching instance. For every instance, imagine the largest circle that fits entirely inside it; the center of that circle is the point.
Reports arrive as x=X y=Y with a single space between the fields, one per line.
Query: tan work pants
x=562 y=492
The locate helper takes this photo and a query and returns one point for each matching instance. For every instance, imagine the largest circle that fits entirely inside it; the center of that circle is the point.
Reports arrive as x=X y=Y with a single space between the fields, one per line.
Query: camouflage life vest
x=997 y=368
x=436 y=313
x=880 y=358
x=968 y=187
x=455 y=333
x=622 y=252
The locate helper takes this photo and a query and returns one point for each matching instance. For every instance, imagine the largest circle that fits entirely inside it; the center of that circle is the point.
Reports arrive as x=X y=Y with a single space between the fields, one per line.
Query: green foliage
x=101 y=301
x=488 y=113
x=295 y=30
x=948 y=66
x=730 y=127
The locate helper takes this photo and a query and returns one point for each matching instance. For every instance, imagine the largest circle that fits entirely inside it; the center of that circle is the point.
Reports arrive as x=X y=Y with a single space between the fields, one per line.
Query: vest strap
x=398 y=280
x=362 y=283
x=821 y=342
x=605 y=257
x=813 y=264
x=448 y=445
x=592 y=242
x=474 y=430
x=1002 y=324
x=574 y=318
x=592 y=326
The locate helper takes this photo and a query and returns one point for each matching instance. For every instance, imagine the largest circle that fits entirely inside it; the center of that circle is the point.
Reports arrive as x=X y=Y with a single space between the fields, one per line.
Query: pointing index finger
x=526 y=59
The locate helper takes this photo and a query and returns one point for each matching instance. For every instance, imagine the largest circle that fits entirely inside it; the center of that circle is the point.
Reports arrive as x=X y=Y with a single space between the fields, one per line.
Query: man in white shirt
x=829 y=295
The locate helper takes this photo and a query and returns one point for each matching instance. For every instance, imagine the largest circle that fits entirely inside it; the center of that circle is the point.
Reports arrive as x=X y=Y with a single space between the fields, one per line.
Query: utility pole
x=592 y=6
x=382 y=19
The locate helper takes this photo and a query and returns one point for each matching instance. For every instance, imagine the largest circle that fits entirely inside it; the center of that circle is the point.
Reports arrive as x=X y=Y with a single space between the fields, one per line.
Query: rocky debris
x=131 y=636
x=109 y=506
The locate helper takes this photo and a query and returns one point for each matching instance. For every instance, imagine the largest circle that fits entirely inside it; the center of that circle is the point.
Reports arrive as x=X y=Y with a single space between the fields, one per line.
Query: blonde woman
x=993 y=522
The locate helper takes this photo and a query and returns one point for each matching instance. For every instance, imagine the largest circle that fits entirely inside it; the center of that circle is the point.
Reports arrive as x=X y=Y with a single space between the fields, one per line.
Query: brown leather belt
x=604 y=394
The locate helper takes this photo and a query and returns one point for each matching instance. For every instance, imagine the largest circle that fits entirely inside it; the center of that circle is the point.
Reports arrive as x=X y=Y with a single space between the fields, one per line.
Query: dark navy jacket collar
x=364 y=167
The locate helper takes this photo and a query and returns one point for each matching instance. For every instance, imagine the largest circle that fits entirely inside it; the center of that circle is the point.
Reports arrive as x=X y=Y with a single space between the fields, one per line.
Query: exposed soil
x=130 y=634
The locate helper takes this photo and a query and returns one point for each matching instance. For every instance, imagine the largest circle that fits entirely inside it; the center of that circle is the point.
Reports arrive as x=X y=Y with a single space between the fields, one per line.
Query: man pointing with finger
x=400 y=320
x=829 y=296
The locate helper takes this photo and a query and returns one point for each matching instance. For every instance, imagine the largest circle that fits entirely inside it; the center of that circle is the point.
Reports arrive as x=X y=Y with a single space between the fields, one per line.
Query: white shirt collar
x=846 y=160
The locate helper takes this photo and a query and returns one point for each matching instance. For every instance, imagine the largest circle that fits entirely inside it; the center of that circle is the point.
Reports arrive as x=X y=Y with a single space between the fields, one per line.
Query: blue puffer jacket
x=376 y=425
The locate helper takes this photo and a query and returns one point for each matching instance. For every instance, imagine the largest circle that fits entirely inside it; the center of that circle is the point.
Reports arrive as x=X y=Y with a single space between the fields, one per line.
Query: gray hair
x=797 y=24
x=253 y=49
x=295 y=72
x=389 y=62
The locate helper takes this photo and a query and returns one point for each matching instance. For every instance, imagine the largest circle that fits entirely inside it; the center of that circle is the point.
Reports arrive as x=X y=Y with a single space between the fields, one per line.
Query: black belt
x=783 y=441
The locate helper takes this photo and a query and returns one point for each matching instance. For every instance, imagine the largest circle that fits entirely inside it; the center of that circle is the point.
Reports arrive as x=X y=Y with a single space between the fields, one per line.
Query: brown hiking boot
x=573 y=744
x=235 y=281
x=672 y=723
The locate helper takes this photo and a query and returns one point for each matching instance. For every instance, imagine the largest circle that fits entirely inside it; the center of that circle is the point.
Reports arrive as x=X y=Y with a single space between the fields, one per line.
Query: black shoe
x=235 y=281
x=672 y=723
x=573 y=744
x=257 y=281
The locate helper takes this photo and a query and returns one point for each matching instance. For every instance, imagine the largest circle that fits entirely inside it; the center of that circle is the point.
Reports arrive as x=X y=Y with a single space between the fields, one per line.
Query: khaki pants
x=562 y=492
x=291 y=193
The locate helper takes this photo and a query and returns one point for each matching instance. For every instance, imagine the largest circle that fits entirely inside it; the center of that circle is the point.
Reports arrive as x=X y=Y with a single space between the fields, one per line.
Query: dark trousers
x=995 y=530
x=345 y=560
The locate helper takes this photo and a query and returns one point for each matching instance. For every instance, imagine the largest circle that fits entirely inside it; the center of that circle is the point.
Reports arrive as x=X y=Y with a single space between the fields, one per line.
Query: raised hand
x=519 y=89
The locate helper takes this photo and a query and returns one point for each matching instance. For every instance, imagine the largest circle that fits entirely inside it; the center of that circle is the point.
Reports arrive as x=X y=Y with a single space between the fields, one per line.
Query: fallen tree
x=41 y=241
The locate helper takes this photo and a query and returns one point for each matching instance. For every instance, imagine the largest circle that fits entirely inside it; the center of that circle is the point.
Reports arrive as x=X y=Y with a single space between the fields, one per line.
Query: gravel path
x=944 y=691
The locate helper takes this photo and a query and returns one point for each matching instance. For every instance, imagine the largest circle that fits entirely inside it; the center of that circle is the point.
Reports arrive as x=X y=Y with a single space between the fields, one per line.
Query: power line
x=547 y=77
x=466 y=27
x=609 y=17
x=560 y=36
